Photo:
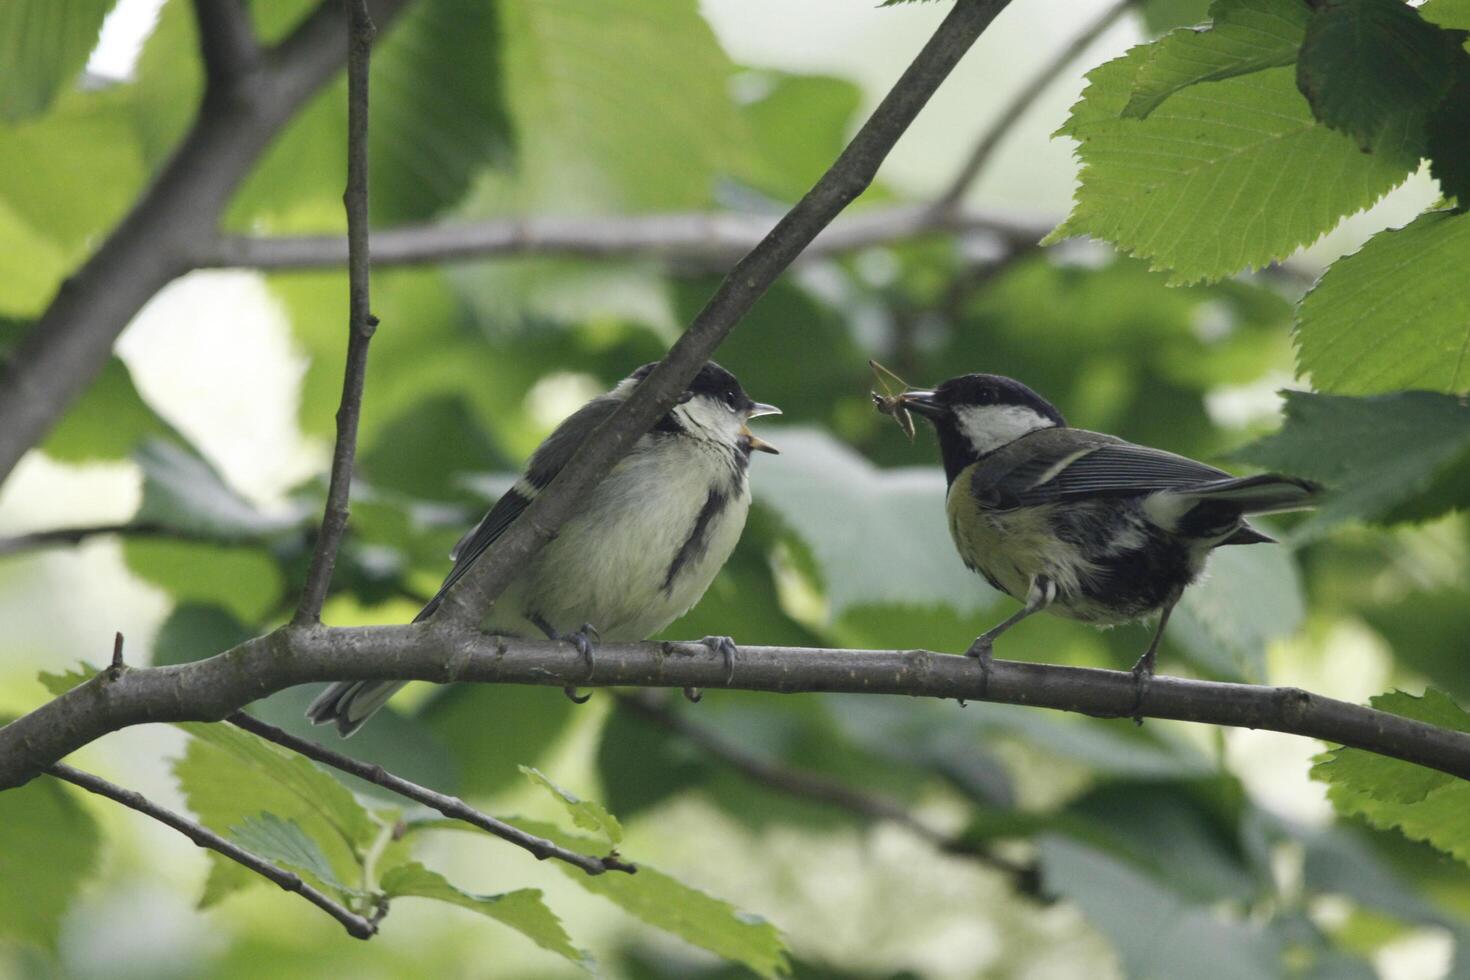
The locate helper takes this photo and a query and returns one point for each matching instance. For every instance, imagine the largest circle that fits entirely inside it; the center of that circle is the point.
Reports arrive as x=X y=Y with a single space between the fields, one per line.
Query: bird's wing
x=545 y=464
x=1067 y=471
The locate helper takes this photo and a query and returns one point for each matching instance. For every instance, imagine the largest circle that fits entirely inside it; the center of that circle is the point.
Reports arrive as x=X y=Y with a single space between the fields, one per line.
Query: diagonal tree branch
x=1022 y=102
x=226 y=40
x=452 y=807
x=213 y=689
x=843 y=182
x=361 y=322
x=706 y=240
x=357 y=926
x=177 y=216
x=823 y=789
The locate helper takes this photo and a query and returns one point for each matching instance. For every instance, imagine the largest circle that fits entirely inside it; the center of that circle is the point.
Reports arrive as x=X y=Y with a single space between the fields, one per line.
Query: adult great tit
x=1080 y=523
x=645 y=545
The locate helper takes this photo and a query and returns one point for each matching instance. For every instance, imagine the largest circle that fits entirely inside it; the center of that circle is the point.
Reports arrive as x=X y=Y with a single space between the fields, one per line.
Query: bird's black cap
x=712 y=380
x=978 y=389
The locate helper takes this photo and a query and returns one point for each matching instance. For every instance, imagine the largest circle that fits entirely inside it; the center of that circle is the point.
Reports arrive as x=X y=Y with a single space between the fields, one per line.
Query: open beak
x=921 y=401
x=756 y=443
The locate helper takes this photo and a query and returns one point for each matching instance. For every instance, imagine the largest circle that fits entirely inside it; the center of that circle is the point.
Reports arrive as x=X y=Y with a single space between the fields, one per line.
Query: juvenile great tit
x=645 y=545
x=1082 y=524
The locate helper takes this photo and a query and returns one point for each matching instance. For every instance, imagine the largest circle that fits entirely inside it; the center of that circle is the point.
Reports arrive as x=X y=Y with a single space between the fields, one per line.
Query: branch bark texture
x=843 y=182
x=361 y=322
x=213 y=689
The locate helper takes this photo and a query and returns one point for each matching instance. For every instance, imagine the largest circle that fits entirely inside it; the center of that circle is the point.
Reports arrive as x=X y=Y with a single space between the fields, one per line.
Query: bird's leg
x=726 y=648
x=1043 y=590
x=585 y=640
x=1143 y=671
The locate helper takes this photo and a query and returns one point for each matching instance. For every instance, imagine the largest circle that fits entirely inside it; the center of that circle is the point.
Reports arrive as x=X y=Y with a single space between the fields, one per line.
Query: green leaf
x=229 y=776
x=1250 y=597
x=48 y=848
x=1157 y=932
x=194 y=631
x=489 y=729
x=109 y=421
x=59 y=684
x=1246 y=36
x=1424 y=804
x=72 y=173
x=1390 y=780
x=1221 y=177
x=585 y=813
x=522 y=910
x=1373 y=454
x=1448 y=141
x=665 y=903
x=1352 y=333
x=283 y=842
x=182 y=490
x=1163 y=15
x=245 y=581
x=798 y=127
x=1366 y=65
x=43 y=46
x=1454 y=14
x=438 y=115
x=826 y=493
x=580 y=78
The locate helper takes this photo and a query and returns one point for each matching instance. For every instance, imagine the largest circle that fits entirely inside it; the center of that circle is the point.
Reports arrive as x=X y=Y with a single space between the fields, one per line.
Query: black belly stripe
x=694 y=546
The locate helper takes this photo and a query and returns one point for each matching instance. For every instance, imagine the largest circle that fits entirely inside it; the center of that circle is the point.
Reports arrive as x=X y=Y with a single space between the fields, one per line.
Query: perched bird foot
x=573 y=696
x=693 y=695
x=586 y=640
x=982 y=650
x=725 y=647
x=1143 y=675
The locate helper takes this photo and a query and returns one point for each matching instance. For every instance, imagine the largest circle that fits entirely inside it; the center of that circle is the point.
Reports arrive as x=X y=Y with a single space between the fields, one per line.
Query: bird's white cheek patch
x=988 y=427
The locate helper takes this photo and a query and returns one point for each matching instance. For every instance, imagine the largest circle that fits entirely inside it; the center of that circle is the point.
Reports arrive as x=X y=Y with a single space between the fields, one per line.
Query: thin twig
x=822 y=789
x=214 y=688
x=226 y=40
x=36 y=540
x=843 y=182
x=1022 y=101
x=450 y=806
x=687 y=239
x=361 y=322
x=356 y=926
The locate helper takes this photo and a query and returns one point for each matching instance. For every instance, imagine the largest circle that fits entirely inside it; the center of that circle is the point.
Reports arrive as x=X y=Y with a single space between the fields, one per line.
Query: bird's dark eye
x=731 y=402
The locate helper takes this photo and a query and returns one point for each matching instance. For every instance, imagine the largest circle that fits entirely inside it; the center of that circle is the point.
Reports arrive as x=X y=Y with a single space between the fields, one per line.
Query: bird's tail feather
x=1265 y=493
x=350 y=703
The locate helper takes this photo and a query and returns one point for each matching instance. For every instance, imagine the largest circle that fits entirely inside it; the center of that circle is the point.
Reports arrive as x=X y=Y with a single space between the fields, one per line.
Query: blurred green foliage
x=1203 y=153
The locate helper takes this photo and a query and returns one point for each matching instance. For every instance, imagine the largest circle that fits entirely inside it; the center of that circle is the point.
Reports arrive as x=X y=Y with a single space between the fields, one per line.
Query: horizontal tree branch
x=821 y=788
x=356 y=925
x=704 y=239
x=213 y=689
x=452 y=807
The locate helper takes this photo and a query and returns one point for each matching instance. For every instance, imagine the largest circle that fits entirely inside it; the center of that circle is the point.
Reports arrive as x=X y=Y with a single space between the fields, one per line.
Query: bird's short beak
x=761 y=408
x=922 y=402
